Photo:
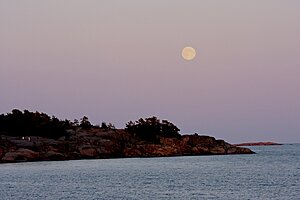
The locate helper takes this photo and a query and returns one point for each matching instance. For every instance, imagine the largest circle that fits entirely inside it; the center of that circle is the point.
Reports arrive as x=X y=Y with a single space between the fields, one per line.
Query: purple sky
x=119 y=60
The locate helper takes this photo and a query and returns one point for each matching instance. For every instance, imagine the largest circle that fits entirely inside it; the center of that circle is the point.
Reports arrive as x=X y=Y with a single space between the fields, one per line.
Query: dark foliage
x=108 y=126
x=85 y=124
x=18 y=123
x=26 y=123
x=151 y=129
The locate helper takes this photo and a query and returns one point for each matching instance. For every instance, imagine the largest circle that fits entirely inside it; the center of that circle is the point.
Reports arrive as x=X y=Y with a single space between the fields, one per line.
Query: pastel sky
x=116 y=60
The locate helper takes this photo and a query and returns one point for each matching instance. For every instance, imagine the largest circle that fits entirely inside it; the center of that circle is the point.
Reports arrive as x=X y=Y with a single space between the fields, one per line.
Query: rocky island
x=34 y=136
x=257 y=144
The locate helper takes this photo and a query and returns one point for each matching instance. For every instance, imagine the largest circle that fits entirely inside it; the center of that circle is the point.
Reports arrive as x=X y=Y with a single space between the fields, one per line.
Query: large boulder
x=238 y=150
x=199 y=150
x=218 y=150
x=88 y=152
x=21 y=154
x=52 y=155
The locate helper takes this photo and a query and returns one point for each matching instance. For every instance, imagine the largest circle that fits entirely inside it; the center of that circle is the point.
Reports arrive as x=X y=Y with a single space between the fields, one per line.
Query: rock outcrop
x=102 y=143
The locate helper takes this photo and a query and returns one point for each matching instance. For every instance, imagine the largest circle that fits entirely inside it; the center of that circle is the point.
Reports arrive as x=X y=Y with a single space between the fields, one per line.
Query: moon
x=188 y=53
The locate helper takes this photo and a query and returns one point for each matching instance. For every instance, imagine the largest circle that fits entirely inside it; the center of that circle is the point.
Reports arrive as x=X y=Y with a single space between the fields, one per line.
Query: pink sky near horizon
x=117 y=61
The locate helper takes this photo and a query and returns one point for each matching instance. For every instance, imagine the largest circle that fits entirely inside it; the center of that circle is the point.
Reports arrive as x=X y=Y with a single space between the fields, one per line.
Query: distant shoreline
x=257 y=144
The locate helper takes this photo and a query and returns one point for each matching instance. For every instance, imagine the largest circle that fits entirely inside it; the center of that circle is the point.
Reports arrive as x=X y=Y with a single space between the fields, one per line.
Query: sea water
x=272 y=173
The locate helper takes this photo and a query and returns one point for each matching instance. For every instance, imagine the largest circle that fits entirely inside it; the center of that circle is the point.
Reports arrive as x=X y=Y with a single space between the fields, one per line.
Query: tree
x=152 y=128
x=104 y=125
x=111 y=126
x=84 y=123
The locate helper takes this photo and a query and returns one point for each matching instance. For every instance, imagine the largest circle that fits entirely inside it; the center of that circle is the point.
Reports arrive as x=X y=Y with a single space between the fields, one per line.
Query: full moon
x=188 y=53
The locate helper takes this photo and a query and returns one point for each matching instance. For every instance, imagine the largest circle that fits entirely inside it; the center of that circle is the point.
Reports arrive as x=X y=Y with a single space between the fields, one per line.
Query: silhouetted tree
x=152 y=128
x=103 y=125
x=84 y=123
x=75 y=123
x=111 y=126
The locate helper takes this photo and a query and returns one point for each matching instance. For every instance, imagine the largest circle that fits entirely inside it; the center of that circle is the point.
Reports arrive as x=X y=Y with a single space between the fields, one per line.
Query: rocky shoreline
x=97 y=143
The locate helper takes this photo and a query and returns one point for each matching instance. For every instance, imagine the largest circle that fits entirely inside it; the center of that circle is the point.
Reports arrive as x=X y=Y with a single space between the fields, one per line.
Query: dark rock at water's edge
x=257 y=144
x=107 y=143
x=35 y=136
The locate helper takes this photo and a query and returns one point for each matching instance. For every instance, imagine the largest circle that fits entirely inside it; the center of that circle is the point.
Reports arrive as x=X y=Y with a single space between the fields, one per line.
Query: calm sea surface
x=272 y=173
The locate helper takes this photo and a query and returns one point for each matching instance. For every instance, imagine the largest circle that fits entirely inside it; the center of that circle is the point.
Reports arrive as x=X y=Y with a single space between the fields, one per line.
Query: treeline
x=26 y=123
x=18 y=123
